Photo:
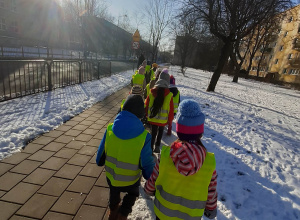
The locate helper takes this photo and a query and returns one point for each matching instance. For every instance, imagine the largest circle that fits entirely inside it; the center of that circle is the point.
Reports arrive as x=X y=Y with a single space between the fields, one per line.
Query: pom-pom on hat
x=172 y=80
x=154 y=65
x=135 y=105
x=189 y=120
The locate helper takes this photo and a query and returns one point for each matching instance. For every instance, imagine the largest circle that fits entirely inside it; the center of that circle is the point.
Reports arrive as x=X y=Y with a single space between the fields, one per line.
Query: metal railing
x=24 y=77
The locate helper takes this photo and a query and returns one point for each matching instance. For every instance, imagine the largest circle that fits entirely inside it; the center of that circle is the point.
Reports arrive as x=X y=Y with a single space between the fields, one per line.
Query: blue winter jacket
x=128 y=126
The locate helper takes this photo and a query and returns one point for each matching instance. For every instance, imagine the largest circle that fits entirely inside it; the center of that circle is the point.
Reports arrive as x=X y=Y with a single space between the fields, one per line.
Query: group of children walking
x=184 y=178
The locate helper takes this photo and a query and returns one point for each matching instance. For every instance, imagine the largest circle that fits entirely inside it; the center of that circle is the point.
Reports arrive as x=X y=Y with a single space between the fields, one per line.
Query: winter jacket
x=171 y=112
x=188 y=159
x=127 y=126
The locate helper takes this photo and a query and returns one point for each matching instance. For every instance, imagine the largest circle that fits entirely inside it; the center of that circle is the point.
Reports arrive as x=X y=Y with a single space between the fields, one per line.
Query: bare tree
x=159 y=14
x=231 y=20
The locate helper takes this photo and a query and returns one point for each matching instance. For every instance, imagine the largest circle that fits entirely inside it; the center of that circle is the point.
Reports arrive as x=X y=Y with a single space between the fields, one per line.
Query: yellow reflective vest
x=123 y=158
x=138 y=80
x=178 y=196
x=122 y=103
x=162 y=116
x=176 y=102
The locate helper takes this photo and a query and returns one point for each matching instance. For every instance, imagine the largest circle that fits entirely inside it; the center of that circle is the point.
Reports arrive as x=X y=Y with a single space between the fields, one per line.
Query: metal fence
x=24 y=77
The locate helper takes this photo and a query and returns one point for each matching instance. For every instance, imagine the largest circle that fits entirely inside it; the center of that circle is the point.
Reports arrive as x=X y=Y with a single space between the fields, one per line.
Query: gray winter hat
x=161 y=83
x=165 y=75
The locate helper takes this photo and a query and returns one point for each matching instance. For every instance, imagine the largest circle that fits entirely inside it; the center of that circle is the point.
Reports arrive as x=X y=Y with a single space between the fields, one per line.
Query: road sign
x=135 y=45
x=136 y=36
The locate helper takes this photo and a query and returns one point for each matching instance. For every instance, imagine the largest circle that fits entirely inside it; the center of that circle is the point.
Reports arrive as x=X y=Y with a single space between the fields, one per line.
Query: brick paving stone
x=54 y=163
x=84 y=137
x=65 y=153
x=91 y=170
x=102 y=180
x=9 y=180
x=73 y=133
x=55 y=186
x=41 y=155
x=69 y=203
x=54 y=146
x=85 y=115
x=99 y=135
x=78 y=118
x=68 y=171
x=90 y=213
x=64 y=139
x=93 y=159
x=2 y=193
x=39 y=176
x=37 y=206
x=91 y=118
x=44 y=140
x=98 y=197
x=17 y=217
x=94 y=142
x=54 y=133
x=4 y=167
x=97 y=126
x=91 y=131
x=97 y=115
x=20 y=193
x=71 y=123
x=58 y=216
x=75 y=144
x=88 y=150
x=87 y=123
x=79 y=160
x=7 y=209
x=64 y=128
x=16 y=158
x=82 y=184
x=32 y=148
x=26 y=167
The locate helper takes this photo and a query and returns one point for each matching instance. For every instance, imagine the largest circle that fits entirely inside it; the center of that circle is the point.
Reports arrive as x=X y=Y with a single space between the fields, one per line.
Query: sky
x=252 y=128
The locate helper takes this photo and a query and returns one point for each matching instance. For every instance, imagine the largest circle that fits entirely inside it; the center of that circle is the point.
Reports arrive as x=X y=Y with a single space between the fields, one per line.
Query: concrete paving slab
x=90 y=213
x=91 y=131
x=54 y=146
x=55 y=186
x=39 y=176
x=16 y=158
x=54 y=163
x=73 y=133
x=9 y=180
x=54 y=133
x=82 y=184
x=41 y=155
x=7 y=209
x=4 y=167
x=58 y=216
x=98 y=197
x=17 y=217
x=66 y=153
x=32 y=148
x=68 y=171
x=26 y=167
x=102 y=180
x=84 y=137
x=65 y=139
x=79 y=160
x=44 y=140
x=64 y=127
x=91 y=170
x=88 y=150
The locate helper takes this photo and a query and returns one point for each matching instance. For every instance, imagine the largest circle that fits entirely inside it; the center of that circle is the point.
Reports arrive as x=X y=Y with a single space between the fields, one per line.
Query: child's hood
x=127 y=126
x=187 y=157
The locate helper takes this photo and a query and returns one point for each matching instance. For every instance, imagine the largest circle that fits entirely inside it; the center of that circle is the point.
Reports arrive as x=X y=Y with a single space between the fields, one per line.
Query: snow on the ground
x=23 y=119
x=252 y=127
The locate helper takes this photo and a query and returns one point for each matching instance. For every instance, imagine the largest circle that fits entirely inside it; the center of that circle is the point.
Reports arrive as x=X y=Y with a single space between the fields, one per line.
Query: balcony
x=295 y=62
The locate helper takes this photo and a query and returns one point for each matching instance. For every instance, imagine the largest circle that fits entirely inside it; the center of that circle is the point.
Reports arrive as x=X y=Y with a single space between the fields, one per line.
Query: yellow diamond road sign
x=136 y=36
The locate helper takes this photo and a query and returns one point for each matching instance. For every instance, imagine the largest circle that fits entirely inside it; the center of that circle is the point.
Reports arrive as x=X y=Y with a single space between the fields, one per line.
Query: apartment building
x=282 y=54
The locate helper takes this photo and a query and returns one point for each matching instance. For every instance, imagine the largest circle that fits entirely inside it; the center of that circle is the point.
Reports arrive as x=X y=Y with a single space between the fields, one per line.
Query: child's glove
x=210 y=214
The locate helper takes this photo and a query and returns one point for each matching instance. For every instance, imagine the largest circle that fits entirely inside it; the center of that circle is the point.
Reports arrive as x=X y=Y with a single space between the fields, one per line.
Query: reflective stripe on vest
x=163 y=114
x=122 y=103
x=179 y=196
x=123 y=158
x=138 y=80
x=176 y=101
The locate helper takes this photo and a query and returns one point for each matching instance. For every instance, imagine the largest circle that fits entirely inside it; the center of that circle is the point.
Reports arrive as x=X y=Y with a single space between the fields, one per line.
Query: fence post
x=49 y=75
x=80 y=63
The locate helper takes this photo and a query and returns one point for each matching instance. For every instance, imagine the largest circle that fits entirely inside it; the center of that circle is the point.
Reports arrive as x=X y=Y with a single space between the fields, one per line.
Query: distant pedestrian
x=184 y=179
x=176 y=100
x=159 y=108
x=126 y=151
x=140 y=61
x=151 y=84
x=138 y=79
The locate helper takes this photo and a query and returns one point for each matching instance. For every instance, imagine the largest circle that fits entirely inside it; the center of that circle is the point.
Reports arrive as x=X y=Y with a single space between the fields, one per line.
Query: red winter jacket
x=188 y=159
x=171 y=113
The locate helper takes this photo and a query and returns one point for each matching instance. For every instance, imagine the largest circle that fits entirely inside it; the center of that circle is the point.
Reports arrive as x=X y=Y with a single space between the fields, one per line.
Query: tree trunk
x=222 y=60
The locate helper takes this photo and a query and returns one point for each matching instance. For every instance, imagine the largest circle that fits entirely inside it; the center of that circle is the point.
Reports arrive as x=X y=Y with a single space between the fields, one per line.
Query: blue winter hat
x=189 y=120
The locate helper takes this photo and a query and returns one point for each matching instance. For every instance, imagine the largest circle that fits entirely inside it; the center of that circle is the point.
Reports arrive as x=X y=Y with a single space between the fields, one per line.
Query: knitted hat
x=136 y=90
x=154 y=65
x=161 y=83
x=135 y=105
x=164 y=76
x=172 y=80
x=142 y=70
x=189 y=120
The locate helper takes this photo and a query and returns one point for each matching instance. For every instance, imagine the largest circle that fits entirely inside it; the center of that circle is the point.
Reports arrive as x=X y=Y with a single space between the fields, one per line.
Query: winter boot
x=113 y=213
x=157 y=150
x=121 y=217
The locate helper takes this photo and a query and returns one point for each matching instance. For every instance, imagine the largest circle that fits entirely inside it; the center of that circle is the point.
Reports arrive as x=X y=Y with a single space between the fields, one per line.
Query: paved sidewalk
x=56 y=176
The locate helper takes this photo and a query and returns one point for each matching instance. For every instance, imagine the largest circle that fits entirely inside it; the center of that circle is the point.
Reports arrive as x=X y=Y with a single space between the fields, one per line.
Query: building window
x=276 y=61
x=2 y=24
x=285 y=34
x=281 y=48
x=290 y=56
x=290 y=19
x=284 y=71
x=13 y=5
x=294 y=72
x=2 y=4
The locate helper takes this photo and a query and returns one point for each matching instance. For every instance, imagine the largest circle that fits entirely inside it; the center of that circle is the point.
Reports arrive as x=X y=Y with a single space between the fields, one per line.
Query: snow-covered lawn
x=252 y=127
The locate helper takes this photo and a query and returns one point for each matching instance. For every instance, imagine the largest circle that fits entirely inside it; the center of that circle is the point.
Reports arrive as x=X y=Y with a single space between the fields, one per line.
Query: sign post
x=136 y=41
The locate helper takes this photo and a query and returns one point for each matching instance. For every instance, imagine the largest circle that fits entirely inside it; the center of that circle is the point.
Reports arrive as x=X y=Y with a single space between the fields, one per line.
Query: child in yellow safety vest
x=126 y=152
x=151 y=84
x=176 y=100
x=138 y=79
x=184 y=179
